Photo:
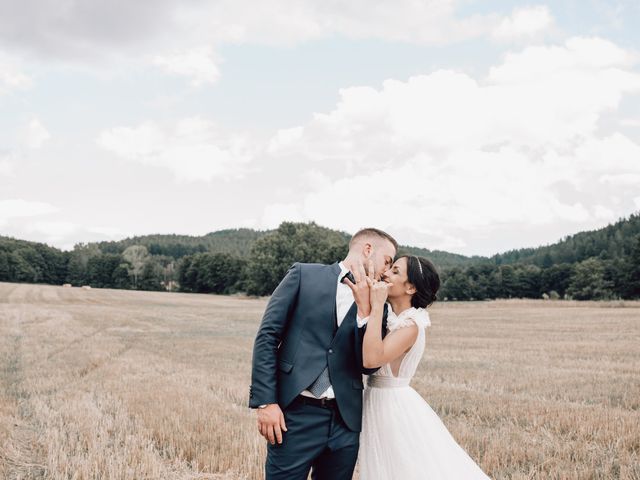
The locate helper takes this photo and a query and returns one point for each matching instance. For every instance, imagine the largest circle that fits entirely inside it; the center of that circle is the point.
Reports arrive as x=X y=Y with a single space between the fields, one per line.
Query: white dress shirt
x=344 y=300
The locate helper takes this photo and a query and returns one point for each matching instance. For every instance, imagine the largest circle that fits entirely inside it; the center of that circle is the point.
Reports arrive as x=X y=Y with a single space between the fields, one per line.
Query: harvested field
x=125 y=384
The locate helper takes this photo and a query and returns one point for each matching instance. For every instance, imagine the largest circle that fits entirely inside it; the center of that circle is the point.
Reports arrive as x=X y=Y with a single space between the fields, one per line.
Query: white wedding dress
x=402 y=437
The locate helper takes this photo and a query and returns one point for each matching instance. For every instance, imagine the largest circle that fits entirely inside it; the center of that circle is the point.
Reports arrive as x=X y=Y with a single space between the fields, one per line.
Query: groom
x=306 y=378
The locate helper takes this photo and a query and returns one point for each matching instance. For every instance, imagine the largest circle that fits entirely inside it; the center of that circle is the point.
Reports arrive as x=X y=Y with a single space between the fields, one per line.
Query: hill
x=441 y=258
x=236 y=242
x=613 y=241
x=599 y=264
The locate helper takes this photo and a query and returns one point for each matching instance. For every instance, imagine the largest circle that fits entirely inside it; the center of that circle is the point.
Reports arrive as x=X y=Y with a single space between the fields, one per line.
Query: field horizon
x=102 y=383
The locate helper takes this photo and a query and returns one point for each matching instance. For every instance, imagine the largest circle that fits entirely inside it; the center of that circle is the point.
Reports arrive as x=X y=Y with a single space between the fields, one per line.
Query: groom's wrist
x=362 y=321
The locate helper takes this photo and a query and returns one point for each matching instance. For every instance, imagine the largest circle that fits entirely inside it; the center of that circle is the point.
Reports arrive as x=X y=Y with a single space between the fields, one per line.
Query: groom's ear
x=367 y=250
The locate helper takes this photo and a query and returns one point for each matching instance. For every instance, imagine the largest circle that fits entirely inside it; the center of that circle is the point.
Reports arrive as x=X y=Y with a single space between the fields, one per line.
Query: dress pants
x=316 y=439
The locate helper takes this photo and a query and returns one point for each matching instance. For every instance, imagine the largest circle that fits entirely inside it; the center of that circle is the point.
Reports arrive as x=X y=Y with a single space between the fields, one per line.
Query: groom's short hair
x=372 y=232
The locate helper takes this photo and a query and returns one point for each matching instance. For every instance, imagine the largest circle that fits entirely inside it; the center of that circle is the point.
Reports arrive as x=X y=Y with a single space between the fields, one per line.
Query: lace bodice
x=412 y=358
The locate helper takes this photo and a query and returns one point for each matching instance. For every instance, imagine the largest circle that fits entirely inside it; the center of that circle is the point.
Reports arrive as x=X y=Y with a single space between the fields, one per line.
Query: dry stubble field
x=109 y=384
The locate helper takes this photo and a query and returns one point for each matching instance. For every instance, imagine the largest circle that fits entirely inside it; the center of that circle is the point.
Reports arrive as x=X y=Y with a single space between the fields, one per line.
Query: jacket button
x=331 y=350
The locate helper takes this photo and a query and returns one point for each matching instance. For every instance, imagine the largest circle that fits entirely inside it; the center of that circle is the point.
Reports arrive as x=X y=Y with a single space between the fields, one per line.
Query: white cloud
x=541 y=98
x=193 y=149
x=621 y=179
x=603 y=213
x=198 y=64
x=6 y=168
x=283 y=138
x=79 y=31
x=110 y=232
x=179 y=37
x=471 y=190
x=431 y=22
x=449 y=152
x=276 y=213
x=54 y=231
x=17 y=208
x=34 y=134
x=587 y=56
x=427 y=22
x=525 y=23
x=63 y=234
x=11 y=77
x=29 y=136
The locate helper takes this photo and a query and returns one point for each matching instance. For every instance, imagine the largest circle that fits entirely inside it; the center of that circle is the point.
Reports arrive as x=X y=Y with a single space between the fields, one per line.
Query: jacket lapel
x=348 y=322
x=325 y=290
x=333 y=277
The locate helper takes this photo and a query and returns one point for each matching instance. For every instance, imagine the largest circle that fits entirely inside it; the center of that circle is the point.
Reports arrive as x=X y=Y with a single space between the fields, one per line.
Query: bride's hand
x=379 y=291
x=360 y=289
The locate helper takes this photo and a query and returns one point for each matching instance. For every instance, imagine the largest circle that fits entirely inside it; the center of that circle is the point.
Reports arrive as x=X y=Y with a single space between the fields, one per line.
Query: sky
x=468 y=126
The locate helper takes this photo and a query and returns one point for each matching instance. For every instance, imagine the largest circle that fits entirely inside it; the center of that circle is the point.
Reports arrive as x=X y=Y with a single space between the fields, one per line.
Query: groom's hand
x=271 y=423
x=360 y=289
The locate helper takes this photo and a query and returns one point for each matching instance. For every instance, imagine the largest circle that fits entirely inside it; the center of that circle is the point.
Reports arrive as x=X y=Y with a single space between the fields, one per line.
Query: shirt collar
x=343 y=271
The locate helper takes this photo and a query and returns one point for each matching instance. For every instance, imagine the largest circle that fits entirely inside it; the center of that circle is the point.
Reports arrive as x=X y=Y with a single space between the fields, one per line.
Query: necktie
x=348 y=275
x=321 y=383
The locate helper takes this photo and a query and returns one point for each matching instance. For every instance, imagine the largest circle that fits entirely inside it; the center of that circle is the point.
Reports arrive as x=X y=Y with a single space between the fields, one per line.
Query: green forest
x=596 y=265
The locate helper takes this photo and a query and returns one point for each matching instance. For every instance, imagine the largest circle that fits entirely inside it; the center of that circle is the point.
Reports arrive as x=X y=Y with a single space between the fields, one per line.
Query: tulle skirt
x=404 y=439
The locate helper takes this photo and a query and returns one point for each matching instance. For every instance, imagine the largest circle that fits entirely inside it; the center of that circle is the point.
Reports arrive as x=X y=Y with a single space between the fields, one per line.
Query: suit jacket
x=297 y=339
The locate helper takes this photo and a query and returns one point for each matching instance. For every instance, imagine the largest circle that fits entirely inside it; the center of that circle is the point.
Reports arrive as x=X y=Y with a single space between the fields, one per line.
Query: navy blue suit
x=296 y=340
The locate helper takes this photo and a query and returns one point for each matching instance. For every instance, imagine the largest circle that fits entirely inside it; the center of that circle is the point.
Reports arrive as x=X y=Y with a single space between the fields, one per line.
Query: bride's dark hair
x=423 y=275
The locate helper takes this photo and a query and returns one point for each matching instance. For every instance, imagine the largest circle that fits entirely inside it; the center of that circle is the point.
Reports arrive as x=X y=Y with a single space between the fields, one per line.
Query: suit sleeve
x=263 y=388
x=359 y=337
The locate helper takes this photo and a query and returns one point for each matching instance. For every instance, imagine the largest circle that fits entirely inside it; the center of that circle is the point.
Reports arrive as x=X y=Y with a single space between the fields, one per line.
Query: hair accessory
x=419 y=264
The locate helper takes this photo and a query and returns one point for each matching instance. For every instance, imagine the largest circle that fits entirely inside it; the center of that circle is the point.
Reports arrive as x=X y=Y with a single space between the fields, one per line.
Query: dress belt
x=380 y=381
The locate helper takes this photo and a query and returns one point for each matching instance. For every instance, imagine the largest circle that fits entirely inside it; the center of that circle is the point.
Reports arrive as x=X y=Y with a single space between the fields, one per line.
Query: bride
x=402 y=437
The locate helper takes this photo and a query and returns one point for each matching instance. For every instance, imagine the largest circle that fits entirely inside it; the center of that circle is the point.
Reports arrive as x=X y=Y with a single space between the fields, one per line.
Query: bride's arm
x=375 y=350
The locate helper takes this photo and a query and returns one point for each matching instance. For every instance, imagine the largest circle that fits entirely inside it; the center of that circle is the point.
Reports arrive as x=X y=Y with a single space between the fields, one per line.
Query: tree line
x=163 y=263
x=590 y=279
x=600 y=264
x=604 y=264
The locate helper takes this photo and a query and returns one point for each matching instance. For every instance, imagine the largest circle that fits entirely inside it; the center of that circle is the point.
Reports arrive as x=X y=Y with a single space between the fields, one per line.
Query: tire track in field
x=18 y=456
x=91 y=367
x=75 y=341
x=94 y=365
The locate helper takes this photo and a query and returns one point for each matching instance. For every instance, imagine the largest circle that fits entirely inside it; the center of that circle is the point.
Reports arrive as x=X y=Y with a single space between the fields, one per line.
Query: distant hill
x=442 y=259
x=608 y=243
x=593 y=265
x=598 y=264
x=236 y=242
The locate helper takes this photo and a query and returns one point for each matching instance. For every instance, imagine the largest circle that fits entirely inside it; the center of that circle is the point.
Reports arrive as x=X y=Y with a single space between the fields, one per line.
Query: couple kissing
x=325 y=328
